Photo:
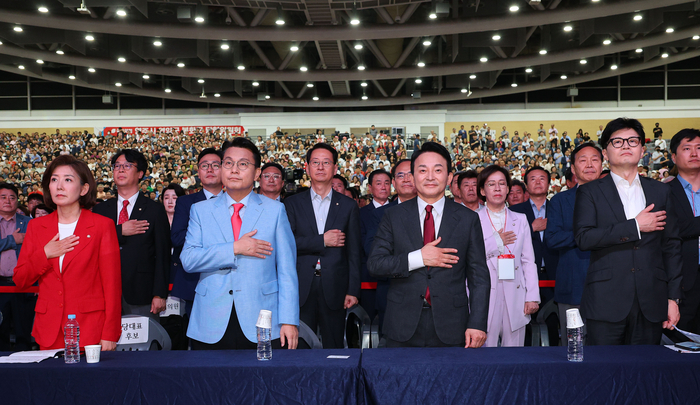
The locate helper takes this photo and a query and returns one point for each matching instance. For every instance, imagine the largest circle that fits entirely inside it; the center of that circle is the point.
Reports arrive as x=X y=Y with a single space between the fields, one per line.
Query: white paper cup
x=92 y=353
x=573 y=318
x=264 y=319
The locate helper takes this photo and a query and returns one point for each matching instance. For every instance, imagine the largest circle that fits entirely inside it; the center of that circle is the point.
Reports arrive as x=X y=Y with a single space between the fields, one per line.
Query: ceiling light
x=89 y=37
x=421 y=64
x=669 y=30
x=203 y=95
x=696 y=37
x=639 y=50
x=514 y=8
x=315 y=98
x=280 y=15
x=146 y=77
x=157 y=43
x=607 y=42
x=199 y=19
x=365 y=97
x=355 y=21
x=17 y=29
x=514 y=85
x=118 y=84
x=637 y=17
x=427 y=42
x=496 y=37
x=613 y=67
x=241 y=67
x=664 y=55
x=293 y=48
x=72 y=77
x=543 y=51
x=484 y=59
x=168 y=90
x=121 y=59
x=463 y=90
x=358 y=46
x=43 y=10
x=303 y=68
x=361 y=67
x=200 y=81
x=432 y=16
x=91 y=70
x=59 y=52
x=568 y=28
x=472 y=76
x=267 y=96
x=309 y=85
x=256 y=84
x=39 y=61
x=279 y=21
x=528 y=70
x=595 y=1
x=224 y=47
x=0 y=42
x=121 y=13
x=181 y=65
x=563 y=77
x=217 y=95
x=583 y=61
x=363 y=84
x=20 y=67
x=419 y=81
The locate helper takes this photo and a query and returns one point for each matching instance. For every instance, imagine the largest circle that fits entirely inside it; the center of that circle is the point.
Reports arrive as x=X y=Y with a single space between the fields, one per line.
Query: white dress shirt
x=208 y=195
x=321 y=207
x=415 y=258
x=130 y=207
x=230 y=201
x=377 y=205
x=632 y=196
x=64 y=231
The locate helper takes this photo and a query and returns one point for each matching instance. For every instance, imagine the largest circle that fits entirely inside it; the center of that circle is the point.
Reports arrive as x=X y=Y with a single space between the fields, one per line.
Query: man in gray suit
x=430 y=247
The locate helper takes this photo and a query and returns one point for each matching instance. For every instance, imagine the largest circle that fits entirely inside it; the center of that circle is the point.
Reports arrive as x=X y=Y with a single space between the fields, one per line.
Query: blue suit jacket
x=559 y=235
x=253 y=284
x=541 y=251
x=8 y=242
x=183 y=283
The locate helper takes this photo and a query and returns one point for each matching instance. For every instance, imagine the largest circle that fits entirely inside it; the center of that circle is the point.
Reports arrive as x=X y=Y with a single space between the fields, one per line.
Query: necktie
x=428 y=236
x=124 y=214
x=236 y=220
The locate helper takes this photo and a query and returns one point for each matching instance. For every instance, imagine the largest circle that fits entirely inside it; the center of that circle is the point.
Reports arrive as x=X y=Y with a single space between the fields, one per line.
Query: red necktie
x=428 y=236
x=236 y=220
x=124 y=214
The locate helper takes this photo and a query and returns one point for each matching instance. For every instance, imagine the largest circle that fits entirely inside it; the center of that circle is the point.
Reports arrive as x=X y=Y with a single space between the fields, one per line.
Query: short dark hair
x=469 y=174
x=620 y=124
x=179 y=191
x=343 y=179
x=209 y=151
x=86 y=201
x=11 y=187
x=687 y=133
x=379 y=172
x=40 y=207
x=533 y=168
x=432 y=147
x=393 y=169
x=244 y=143
x=486 y=173
x=355 y=193
x=585 y=145
x=321 y=145
x=275 y=165
x=131 y=156
x=569 y=174
x=518 y=183
x=35 y=196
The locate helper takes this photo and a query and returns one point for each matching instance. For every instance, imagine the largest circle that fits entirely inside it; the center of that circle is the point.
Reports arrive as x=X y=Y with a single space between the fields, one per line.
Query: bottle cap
x=71 y=316
x=573 y=318
x=264 y=319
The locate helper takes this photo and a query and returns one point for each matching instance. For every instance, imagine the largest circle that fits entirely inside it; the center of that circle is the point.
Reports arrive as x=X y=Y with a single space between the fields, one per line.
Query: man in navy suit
x=209 y=169
x=13 y=226
x=573 y=262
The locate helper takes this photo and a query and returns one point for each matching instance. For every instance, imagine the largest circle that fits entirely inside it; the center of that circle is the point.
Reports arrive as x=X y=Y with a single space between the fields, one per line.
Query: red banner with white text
x=187 y=130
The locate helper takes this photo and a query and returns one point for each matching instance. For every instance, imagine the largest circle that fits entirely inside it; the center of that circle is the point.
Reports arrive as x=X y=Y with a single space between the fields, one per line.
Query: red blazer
x=89 y=286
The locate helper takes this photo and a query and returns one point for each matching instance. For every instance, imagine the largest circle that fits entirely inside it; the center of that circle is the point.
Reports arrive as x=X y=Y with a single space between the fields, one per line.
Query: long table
x=187 y=377
x=631 y=375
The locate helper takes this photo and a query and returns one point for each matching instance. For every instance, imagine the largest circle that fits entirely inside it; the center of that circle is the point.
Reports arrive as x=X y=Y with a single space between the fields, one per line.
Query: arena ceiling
x=341 y=53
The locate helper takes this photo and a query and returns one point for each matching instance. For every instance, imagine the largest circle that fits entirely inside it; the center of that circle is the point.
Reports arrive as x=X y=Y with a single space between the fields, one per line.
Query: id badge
x=506 y=267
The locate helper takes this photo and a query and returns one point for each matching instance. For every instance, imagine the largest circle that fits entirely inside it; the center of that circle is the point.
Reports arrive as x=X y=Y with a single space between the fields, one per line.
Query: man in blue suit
x=571 y=271
x=209 y=167
x=13 y=226
x=243 y=247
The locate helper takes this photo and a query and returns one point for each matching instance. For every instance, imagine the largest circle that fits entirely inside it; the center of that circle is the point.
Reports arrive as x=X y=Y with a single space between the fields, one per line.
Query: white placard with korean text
x=134 y=330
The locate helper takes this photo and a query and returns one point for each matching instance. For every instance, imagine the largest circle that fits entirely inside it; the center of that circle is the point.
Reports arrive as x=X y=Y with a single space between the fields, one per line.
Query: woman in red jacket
x=74 y=255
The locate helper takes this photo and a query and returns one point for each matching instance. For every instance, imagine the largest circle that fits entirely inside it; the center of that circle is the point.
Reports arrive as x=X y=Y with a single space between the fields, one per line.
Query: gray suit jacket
x=453 y=311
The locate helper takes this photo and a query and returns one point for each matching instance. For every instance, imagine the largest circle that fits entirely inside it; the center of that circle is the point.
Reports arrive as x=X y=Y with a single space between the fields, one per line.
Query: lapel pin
x=88 y=236
x=337 y=204
x=139 y=209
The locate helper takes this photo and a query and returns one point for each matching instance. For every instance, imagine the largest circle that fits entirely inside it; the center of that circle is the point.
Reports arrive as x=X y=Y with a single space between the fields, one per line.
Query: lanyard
x=505 y=221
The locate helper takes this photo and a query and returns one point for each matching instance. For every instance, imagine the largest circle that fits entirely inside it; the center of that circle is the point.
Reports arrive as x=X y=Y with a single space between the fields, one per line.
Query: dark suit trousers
x=18 y=310
x=633 y=330
x=689 y=308
x=315 y=312
x=425 y=334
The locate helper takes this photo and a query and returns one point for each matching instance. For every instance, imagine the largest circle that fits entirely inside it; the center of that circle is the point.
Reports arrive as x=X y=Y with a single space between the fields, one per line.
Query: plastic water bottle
x=575 y=338
x=71 y=337
x=264 y=343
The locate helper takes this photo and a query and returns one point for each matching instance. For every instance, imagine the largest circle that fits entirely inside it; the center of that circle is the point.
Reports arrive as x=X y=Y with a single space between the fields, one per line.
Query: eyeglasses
x=492 y=184
x=632 y=142
x=401 y=175
x=268 y=176
x=125 y=166
x=206 y=166
x=242 y=165
x=317 y=163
